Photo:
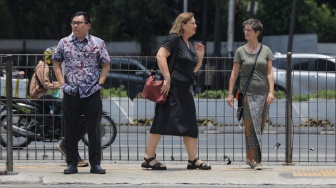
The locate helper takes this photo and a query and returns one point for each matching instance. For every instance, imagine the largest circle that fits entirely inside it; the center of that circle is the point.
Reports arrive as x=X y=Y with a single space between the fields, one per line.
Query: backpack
x=35 y=86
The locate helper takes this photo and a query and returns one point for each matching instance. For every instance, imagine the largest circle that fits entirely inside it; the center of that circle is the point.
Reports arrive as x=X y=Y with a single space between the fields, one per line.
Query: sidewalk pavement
x=130 y=173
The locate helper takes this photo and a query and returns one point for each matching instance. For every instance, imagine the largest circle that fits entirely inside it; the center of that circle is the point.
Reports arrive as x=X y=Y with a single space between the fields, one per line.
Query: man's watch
x=100 y=84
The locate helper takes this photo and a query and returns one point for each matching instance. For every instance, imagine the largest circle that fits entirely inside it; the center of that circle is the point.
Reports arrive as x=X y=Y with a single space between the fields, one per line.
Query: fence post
x=289 y=152
x=9 y=90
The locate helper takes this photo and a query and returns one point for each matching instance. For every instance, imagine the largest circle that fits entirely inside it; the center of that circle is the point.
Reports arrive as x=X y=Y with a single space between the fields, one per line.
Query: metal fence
x=221 y=136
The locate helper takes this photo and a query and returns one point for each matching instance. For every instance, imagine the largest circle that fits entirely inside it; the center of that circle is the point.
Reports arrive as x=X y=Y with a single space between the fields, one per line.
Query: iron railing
x=311 y=135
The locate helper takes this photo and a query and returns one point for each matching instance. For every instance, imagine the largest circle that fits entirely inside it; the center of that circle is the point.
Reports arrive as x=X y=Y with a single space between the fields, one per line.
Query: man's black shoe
x=97 y=169
x=71 y=169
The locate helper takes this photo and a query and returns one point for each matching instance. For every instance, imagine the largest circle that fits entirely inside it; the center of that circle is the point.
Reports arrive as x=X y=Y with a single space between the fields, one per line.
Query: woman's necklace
x=253 y=48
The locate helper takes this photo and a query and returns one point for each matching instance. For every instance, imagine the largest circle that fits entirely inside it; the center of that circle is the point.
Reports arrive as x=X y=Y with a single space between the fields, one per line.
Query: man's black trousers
x=73 y=108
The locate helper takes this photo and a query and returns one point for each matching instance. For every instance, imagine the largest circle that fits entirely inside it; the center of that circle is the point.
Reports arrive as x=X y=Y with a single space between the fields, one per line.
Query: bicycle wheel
x=108 y=132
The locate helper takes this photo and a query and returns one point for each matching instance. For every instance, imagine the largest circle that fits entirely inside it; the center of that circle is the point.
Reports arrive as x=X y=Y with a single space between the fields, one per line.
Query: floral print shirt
x=81 y=60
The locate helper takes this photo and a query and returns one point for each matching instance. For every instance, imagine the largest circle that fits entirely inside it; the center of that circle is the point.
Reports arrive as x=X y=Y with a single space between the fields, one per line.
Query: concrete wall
x=38 y=46
x=327 y=48
x=301 y=44
x=126 y=111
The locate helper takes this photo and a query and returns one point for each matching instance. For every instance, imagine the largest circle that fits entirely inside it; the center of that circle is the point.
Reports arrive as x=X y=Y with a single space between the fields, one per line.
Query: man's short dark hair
x=81 y=13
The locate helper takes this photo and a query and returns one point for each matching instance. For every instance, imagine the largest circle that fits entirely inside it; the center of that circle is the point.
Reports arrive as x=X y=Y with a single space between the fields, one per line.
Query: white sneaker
x=258 y=167
x=251 y=164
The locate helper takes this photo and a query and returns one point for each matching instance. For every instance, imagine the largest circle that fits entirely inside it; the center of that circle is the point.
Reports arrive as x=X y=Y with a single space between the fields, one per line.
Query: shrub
x=114 y=92
x=279 y=94
x=325 y=94
x=213 y=94
x=222 y=94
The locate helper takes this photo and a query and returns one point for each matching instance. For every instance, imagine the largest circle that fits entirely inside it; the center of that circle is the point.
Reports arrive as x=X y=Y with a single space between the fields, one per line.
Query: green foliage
x=311 y=17
x=142 y=20
x=126 y=23
x=213 y=94
x=222 y=94
x=325 y=94
x=322 y=94
x=280 y=94
x=114 y=92
x=300 y=97
x=4 y=18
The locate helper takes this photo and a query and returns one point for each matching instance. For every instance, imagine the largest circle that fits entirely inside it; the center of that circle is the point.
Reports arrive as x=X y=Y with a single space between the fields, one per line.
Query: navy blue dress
x=178 y=115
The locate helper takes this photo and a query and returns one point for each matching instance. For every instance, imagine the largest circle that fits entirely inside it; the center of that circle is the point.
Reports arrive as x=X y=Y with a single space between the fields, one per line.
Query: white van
x=310 y=72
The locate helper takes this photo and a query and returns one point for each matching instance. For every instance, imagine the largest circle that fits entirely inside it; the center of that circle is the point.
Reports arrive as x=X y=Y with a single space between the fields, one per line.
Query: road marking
x=315 y=173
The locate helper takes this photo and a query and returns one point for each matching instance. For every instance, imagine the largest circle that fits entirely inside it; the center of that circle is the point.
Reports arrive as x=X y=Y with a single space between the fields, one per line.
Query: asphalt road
x=166 y=186
x=212 y=147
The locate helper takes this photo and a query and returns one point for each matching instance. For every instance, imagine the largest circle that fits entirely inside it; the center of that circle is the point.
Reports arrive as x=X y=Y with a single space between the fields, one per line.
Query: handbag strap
x=250 y=77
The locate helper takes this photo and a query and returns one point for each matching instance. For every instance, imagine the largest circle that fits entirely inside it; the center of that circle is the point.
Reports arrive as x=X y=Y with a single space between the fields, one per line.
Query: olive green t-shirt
x=259 y=82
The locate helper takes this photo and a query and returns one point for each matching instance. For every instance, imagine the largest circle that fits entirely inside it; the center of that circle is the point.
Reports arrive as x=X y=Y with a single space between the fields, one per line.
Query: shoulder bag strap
x=172 y=59
x=250 y=77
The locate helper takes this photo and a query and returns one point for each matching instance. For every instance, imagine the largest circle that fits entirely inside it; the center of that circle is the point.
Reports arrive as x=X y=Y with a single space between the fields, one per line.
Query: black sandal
x=200 y=166
x=156 y=166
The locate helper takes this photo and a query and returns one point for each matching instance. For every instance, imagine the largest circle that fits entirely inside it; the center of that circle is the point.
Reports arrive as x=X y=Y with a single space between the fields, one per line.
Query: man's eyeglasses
x=77 y=23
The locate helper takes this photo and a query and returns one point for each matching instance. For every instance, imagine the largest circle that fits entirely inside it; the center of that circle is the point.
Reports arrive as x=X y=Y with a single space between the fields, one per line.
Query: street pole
x=230 y=31
x=9 y=97
x=291 y=29
x=289 y=149
x=217 y=47
x=201 y=77
x=251 y=11
x=185 y=5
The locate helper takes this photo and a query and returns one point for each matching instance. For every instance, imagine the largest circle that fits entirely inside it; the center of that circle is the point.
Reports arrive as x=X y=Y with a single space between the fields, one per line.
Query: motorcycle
x=30 y=124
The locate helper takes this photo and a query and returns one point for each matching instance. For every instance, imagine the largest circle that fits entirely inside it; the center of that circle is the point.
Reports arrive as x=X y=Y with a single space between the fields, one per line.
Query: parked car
x=310 y=72
x=130 y=73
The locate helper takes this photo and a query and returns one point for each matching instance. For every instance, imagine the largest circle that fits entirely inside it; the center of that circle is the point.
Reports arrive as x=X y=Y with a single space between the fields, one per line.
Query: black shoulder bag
x=241 y=94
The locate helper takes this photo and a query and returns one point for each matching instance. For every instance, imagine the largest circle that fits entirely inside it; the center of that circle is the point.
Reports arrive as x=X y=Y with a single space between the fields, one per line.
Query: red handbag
x=152 y=90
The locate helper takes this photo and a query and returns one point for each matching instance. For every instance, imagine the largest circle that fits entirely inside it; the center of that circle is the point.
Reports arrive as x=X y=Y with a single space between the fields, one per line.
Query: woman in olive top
x=260 y=93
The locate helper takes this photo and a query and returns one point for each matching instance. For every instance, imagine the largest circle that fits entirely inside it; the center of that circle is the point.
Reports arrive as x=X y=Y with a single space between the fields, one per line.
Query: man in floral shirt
x=82 y=53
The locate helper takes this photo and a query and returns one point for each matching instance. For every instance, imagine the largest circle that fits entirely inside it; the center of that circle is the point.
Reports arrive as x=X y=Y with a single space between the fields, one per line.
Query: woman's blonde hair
x=182 y=18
